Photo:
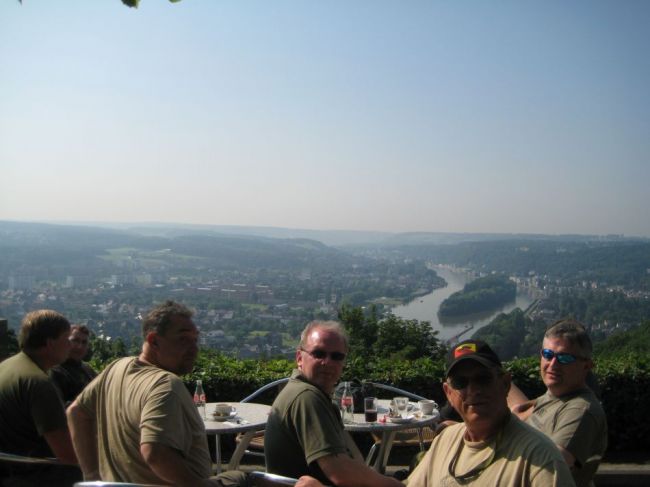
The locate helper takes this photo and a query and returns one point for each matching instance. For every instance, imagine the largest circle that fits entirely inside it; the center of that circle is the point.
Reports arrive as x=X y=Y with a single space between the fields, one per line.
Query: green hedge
x=624 y=383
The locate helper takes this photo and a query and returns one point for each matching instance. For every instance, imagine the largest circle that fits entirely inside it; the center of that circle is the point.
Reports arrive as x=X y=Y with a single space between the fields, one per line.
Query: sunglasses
x=322 y=354
x=563 y=358
x=460 y=382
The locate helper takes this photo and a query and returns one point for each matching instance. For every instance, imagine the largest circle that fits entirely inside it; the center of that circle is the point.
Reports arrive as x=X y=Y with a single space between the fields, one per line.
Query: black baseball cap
x=476 y=350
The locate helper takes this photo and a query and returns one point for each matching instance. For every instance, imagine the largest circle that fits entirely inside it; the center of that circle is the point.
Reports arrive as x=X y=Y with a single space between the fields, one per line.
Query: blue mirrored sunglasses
x=563 y=358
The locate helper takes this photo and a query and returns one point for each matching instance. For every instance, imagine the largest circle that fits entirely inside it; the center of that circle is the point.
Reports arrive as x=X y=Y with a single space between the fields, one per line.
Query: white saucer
x=399 y=420
x=224 y=418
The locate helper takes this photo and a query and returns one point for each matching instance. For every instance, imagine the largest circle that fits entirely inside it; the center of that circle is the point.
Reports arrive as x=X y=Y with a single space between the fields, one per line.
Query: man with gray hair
x=304 y=434
x=136 y=422
x=569 y=412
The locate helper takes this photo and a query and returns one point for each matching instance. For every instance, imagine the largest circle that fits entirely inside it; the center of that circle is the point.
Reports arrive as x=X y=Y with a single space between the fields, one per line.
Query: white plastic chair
x=256 y=445
x=409 y=437
x=264 y=479
x=99 y=483
x=12 y=458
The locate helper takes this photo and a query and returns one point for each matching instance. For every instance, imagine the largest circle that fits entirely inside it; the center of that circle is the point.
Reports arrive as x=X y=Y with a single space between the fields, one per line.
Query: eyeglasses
x=322 y=354
x=460 y=382
x=563 y=358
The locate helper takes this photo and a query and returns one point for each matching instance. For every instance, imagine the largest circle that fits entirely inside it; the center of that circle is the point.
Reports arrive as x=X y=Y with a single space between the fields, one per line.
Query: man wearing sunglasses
x=304 y=434
x=491 y=446
x=569 y=412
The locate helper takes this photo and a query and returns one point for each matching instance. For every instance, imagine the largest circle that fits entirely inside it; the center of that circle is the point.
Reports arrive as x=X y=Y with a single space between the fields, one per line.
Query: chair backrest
x=396 y=390
x=264 y=388
x=99 y=483
x=264 y=479
x=12 y=458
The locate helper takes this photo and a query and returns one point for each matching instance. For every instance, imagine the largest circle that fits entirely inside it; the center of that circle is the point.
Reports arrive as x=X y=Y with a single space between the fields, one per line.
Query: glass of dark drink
x=370 y=409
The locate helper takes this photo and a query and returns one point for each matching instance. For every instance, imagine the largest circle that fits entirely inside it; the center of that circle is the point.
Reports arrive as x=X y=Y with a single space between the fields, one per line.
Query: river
x=425 y=308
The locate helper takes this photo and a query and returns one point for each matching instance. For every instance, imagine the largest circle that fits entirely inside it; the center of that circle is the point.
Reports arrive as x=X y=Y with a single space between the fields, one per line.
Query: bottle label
x=346 y=401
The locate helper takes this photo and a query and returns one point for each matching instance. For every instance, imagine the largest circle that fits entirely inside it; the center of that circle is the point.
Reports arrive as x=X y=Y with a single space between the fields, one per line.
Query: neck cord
x=478 y=470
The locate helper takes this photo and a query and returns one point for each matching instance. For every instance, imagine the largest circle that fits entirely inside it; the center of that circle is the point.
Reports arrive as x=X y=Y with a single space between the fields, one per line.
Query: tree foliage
x=479 y=295
x=506 y=333
x=389 y=337
x=8 y=342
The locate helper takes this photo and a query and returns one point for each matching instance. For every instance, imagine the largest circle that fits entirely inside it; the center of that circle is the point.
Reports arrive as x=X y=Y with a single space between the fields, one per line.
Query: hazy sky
x=459 y=116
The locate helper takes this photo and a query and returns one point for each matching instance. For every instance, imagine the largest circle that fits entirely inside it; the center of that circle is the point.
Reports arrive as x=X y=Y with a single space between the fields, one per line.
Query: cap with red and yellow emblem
x=476 y=350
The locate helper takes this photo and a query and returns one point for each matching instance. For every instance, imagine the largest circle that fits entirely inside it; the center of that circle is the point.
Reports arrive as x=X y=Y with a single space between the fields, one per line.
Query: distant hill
x=34 y=245
x=636 y=340
x=351 y=238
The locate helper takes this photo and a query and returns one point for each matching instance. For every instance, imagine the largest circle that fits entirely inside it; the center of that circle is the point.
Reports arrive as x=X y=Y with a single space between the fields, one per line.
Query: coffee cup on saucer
x=427 y=406
x=222 y=409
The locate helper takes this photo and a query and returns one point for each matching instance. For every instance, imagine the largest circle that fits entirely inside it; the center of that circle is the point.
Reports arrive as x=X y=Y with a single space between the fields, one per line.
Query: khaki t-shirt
x=135 y=403
x=517 y=457
x=577 y=423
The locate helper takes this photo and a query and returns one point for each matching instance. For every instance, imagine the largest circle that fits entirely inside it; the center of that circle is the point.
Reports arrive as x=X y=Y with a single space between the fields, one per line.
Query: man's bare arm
x=61 y=445
x=84 y=438
x=515 y=396
x=568 y=456
x=344 y=471
x=168 y=464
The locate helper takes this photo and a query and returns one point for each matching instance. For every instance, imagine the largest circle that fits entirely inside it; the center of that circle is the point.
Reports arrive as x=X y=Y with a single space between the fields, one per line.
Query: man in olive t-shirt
x=304 y=433
x=32 y=417
x=569 y=412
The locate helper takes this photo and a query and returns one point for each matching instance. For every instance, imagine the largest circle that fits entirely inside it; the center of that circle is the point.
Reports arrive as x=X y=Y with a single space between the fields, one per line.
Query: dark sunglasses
x=563 y=358
x=322 y=354
x=460 y=382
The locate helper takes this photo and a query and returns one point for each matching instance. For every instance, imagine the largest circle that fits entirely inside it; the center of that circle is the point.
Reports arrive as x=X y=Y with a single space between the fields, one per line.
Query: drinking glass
x=370 y=408
x=401 y=404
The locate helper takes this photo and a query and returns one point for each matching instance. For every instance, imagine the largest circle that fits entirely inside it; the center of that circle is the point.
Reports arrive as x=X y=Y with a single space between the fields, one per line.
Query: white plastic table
x=387 y=430
x=250 y=418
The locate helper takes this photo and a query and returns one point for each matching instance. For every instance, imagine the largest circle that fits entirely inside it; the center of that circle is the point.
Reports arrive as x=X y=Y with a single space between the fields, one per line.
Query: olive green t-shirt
x=29 y=407
x=135 y=403
x=518 y=456
x=304 y=426
x=577 y=423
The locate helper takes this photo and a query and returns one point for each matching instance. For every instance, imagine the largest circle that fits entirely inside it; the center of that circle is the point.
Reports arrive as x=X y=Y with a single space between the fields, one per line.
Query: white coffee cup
x=222 y=409
x=427 y=406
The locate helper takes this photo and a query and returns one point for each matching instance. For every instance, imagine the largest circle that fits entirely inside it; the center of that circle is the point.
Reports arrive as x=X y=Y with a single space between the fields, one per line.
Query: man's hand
x=523 y=410
x=307 y=481
x=344 y=471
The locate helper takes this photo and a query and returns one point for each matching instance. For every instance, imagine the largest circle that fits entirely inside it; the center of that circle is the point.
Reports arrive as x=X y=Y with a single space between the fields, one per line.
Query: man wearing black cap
x=491 y=446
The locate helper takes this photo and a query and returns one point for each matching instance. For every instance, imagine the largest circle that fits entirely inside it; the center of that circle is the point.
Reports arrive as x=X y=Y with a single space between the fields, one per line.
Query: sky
x=466 y=116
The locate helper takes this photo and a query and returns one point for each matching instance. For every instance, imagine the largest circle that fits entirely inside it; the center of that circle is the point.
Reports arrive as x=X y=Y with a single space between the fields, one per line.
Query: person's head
x=79 y=341
x=565 y=358
x=321 y=353
x=170 y=337
x=477 y=387
x=45 y=332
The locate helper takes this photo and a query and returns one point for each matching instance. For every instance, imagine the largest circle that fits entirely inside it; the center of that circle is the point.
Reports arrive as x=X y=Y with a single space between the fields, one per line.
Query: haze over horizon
x=463 y=117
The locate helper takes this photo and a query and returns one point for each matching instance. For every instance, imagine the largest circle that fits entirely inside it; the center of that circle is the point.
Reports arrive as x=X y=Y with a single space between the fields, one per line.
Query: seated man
x=136 y=422
x=32 y=417
x=569 y=412
x=304 y=434
x=74 y=374
x=491 y=446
